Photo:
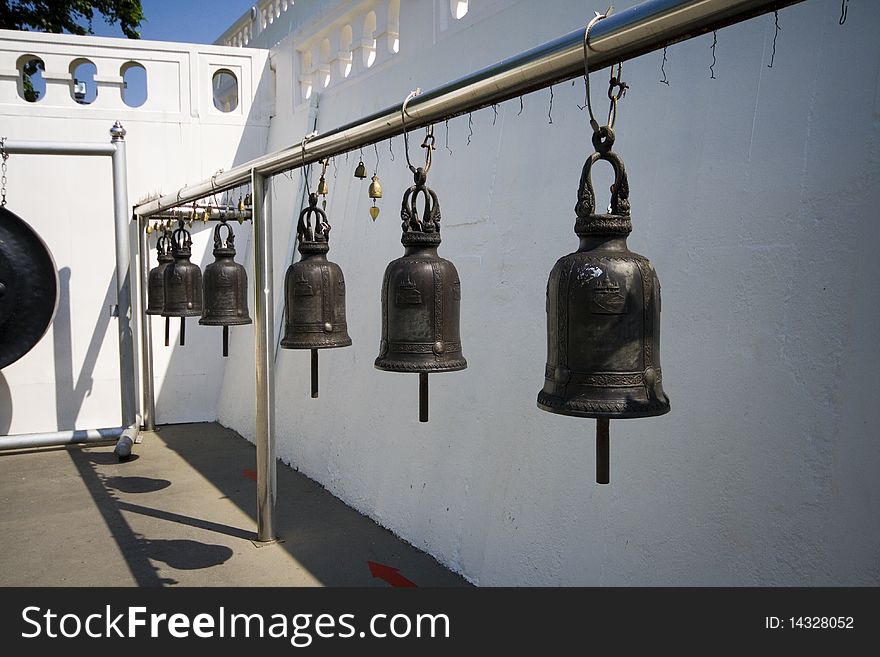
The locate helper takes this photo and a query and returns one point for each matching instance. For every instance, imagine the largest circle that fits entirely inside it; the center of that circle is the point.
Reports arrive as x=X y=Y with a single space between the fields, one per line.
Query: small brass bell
x=183 y=282
x=375 y=188
x=314 y=292
x=225 y=285
x=361 y=170
x=323 y=188
x=421 y=299
x=603 y=318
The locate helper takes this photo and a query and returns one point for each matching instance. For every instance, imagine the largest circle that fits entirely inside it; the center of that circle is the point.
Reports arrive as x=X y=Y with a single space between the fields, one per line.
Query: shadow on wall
x=69 y=395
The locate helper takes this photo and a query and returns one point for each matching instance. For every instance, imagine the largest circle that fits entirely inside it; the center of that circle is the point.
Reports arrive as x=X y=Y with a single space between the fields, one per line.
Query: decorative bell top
x=163 y=250
x=618 y=222
x=226 y=250
x=424 y=229
x=313 y=237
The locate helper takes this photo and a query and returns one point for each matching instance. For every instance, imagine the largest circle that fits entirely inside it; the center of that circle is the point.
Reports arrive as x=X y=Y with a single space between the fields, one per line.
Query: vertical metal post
x=264 y=326
x=149 y=400
x=122 y=211
x=603 y=451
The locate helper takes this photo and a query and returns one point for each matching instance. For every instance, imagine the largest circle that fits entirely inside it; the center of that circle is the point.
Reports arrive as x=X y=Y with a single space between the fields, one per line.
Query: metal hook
x=403 y=114
x=598 y=17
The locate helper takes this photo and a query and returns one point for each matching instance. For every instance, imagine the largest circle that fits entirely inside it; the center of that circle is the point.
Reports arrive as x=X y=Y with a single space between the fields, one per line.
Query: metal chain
x=4 y=156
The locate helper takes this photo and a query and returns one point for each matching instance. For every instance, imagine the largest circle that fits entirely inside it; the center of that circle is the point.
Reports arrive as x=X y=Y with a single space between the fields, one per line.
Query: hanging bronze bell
x=421 y=298
x=360 y=170
x=314 y=292
x=183 y=282
x=156 y=277
x=603 y=317
x=225 y=287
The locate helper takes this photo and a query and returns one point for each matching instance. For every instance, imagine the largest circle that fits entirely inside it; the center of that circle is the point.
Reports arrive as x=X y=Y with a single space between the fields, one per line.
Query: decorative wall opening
x=394 y=20
x=324 y=72
x=459 y=8
x=369 y=32
x=225 y=89
x=345 y=39
x=83 y=88
x=31 y=85
x=134 y=84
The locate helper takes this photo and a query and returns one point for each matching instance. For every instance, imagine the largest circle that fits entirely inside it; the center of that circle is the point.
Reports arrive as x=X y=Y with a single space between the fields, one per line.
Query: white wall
x=71 y=378
x=755 y=196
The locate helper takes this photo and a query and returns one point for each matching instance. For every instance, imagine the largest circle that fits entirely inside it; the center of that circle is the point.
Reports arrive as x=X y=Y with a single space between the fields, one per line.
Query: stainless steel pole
x=641 y=29
x=148 y=412
x=58 y=438
x=121 y=212
x=264 y=344
x=123 y=276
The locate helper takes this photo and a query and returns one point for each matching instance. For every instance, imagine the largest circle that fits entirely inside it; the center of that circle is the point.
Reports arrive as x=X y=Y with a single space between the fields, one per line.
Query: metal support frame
x=128 y=433
x=641 y=29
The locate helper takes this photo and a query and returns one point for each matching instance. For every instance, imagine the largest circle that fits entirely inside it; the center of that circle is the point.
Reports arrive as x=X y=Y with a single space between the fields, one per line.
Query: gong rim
x=29 y=298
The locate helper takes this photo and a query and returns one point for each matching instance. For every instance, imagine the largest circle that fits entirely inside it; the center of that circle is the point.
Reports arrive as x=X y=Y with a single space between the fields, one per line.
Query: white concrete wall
x=754 y=194
x=71 y=378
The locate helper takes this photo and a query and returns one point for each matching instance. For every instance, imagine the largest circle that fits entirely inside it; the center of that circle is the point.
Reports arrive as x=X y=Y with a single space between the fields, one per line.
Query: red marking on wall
x=388 y=574
x=249 y=474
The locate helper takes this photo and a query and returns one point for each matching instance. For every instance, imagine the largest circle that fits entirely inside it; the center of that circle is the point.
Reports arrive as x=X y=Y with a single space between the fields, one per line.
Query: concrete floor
x=181 y=513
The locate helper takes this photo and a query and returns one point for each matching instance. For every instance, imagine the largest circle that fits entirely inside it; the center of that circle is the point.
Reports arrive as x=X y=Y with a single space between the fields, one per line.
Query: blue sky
x=190 y=21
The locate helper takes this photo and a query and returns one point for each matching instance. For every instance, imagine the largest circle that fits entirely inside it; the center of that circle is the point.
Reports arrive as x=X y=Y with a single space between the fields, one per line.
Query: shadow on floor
x=182 y=511
x=332 y=541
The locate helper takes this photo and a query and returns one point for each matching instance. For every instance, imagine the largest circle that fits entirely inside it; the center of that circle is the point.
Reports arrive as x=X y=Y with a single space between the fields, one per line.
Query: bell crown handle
x=586 y=203
x=429 y=222
x=218 y=239
x=305 y=230
x=176 y=244
x=162 y=245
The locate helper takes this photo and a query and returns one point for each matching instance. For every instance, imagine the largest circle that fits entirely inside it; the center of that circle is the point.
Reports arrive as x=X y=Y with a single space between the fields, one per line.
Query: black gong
x=28 y=288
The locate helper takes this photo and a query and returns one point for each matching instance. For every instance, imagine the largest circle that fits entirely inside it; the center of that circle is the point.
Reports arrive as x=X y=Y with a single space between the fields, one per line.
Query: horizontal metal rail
x=641 y=29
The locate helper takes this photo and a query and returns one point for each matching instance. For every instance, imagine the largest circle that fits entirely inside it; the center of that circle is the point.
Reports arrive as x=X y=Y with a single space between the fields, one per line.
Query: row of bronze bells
x=603 y=307
x=177 y=288
x=421 y=296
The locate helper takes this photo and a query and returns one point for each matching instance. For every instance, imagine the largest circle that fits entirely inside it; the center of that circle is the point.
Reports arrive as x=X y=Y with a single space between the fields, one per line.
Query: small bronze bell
x=323 y=188
x=421 y=299
x=183 y=282
x=225 y=285
x=603 y=318
x=314 y=292
x=361 y=170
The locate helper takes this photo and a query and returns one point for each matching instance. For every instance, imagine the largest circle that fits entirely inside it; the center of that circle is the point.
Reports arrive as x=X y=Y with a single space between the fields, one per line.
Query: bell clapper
x=314 y=373
x=603 y=451
x=225 y=341
x=423 y=396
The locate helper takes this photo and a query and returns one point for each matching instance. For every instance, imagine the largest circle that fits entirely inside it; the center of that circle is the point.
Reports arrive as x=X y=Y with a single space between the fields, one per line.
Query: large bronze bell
x=314 y=291
x=225 y=286
x=156 y=277
x=603 y=318
x=156 y=281
x=421 y=298
x=183 y=282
